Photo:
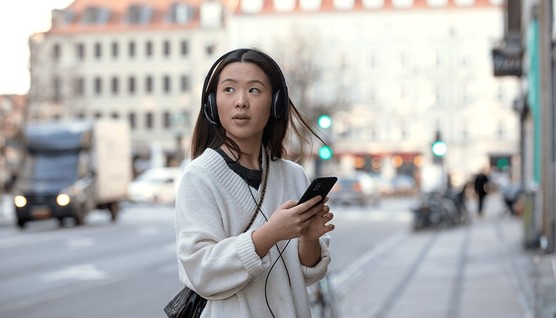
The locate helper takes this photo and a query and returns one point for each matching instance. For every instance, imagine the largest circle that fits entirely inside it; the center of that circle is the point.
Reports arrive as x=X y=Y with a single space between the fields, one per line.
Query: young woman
x=245 y=266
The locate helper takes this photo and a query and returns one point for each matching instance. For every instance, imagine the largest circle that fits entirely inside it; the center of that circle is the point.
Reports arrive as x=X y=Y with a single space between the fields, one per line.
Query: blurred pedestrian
x=246 y=257
x=481 y=186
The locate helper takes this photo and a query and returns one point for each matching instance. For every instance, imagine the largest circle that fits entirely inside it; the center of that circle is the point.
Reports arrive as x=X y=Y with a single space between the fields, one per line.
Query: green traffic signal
x=325 y=152
x=324 y=121
x=439 y=148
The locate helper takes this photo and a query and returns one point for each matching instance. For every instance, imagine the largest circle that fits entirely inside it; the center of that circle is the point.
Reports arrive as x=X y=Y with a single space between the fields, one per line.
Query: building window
x=95 y=15
x=98 y=51
x=115 y=85
x=149 y=48
x=437 y=3
x=310 y=5
x=57 y=89
x=404 y=59
x=139 y=14
x=166 y=48
x=166 y=84
x=98 y=115
x=131 y=49
x=131 y=85
x=439 y=59
x=373 y=4
x=284 y=5
x=251 y=6
x=209 y=49
x=464 y=3
x=79 y=86
x=56 y=52
x=501 y=131
x=373 y=60
x=149 y=120
x=149 y=84
x=80 y=51
x=181 y=13
x=98 y=86
x=184 y=48
x=115 y=49
x=132 y=118
x=344 y=4
x=167 y=120
x=185 y=83
x=402 y=3
x=115 y=115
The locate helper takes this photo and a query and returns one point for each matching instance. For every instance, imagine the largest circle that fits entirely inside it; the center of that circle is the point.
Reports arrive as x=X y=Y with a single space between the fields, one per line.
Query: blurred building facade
x=140 y=61
x=390 y=72
x=528 y=52
x=12 y=108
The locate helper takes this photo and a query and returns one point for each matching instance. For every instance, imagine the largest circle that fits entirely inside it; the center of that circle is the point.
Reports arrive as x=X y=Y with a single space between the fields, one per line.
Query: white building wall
x=406 y=72
x=398 y=74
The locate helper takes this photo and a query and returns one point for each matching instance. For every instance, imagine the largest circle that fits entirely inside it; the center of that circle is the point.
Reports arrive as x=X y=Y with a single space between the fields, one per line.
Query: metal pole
x=547 y=186
x=552 y=126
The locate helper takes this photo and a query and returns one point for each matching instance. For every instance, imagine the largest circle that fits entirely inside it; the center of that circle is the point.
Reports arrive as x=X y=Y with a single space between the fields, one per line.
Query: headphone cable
x=280 y=252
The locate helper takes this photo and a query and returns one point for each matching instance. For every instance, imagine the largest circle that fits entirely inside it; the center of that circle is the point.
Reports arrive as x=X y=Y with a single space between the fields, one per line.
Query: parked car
x=155 y=185
x=403 y=185
x=359 y=188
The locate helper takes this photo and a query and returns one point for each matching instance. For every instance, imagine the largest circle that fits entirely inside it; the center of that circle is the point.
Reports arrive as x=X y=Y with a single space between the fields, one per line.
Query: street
x=128 y=268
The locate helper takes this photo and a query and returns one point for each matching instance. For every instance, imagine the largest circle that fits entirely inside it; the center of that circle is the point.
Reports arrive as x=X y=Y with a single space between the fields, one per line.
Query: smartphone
x=320 y=186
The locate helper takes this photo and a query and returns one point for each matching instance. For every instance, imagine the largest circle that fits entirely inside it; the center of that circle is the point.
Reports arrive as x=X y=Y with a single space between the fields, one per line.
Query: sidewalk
x=474 y=271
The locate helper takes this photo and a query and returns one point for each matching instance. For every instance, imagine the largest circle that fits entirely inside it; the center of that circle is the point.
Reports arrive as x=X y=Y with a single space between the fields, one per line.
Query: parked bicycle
x=437 y=210
x=323 y=300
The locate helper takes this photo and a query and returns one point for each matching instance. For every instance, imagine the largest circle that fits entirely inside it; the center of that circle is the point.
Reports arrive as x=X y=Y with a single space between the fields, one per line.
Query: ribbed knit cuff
x=317 y=272
x=246 y=252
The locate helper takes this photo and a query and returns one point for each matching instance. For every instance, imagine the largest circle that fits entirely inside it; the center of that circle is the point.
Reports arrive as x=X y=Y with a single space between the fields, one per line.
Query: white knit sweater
x=218 y=261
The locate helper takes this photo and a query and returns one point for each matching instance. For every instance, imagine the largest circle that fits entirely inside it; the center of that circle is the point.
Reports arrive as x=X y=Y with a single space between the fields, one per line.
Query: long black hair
x=207 y=134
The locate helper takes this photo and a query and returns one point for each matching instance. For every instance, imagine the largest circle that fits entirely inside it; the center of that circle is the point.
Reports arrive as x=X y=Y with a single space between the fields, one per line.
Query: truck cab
x=60 y=176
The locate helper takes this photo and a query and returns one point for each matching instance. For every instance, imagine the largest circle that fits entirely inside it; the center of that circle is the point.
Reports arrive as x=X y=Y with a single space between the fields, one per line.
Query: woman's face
x=243 y=99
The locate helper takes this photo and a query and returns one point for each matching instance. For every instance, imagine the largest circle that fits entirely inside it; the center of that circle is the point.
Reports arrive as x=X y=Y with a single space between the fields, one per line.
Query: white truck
x=73 y=168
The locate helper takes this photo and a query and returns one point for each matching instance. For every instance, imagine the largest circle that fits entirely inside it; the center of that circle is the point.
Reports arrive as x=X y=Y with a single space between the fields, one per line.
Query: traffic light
x=324 y=121
x=438 y=149
x=325 y=152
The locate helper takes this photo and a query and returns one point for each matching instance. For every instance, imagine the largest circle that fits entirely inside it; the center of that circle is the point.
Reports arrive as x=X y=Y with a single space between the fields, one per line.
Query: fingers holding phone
x=319 y=223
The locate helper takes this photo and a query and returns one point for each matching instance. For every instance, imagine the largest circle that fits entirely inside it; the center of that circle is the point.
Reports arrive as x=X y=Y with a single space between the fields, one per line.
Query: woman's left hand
x=318 y=224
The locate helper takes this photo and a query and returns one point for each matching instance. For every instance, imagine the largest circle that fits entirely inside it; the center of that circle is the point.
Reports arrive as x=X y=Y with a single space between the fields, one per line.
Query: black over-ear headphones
x=280 y=97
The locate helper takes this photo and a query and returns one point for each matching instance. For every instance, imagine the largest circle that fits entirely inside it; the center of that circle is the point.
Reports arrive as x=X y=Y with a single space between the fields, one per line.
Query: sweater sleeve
x=317 y=272
x=212 y=262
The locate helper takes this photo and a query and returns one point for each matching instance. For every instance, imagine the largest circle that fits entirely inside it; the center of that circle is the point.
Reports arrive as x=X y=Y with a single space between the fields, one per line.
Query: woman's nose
x=241 y=101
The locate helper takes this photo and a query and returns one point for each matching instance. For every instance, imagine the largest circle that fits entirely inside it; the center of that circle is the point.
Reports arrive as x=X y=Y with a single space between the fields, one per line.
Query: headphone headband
x=280 y=97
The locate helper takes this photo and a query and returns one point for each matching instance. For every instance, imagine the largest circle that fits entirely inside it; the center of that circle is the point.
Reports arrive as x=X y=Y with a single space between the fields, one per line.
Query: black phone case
x=320 y=186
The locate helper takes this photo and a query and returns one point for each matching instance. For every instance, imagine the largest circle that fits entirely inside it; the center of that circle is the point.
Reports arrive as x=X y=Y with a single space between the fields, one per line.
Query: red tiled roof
x=328 y=6
x=122 y=5
x=118 y=9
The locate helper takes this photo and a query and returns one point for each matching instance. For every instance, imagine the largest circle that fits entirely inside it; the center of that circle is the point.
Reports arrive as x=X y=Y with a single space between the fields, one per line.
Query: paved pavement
x=471 y=271
x=474 y=271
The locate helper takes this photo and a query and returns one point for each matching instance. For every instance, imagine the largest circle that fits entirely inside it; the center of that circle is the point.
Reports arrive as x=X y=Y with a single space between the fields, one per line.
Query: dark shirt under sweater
x=252 y=177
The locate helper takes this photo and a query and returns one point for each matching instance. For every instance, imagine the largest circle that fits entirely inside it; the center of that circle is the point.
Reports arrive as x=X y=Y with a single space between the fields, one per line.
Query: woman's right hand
x=290 y=220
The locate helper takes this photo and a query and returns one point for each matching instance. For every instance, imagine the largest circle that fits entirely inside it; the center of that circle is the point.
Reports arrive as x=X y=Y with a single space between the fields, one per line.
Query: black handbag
x=186 y=304
x=189 y=304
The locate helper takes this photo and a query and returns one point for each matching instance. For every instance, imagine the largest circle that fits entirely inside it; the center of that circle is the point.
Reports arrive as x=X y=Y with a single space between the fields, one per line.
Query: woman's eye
x=228 y=90
x=254 y=90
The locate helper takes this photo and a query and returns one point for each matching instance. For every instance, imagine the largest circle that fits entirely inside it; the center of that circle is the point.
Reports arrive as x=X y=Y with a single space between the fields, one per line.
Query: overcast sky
x=18 y=20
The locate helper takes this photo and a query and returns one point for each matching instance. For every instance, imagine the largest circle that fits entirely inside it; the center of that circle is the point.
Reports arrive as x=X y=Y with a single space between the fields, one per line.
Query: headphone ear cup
x=278 y=107
x=210 y=109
